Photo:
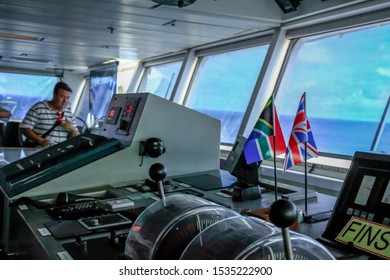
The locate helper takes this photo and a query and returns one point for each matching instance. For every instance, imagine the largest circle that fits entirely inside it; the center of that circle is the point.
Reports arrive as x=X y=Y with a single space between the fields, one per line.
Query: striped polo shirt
x=40 y=118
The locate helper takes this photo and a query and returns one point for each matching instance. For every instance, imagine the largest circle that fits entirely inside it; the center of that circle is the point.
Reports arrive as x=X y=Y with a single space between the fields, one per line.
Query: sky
x=345 y=76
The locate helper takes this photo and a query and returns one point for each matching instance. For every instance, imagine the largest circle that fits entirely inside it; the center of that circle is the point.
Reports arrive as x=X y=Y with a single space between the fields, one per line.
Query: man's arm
x=29 y=133
x=5 y=113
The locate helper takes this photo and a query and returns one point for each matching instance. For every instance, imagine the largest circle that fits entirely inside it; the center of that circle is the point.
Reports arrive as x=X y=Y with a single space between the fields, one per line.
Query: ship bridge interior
x=220 y=114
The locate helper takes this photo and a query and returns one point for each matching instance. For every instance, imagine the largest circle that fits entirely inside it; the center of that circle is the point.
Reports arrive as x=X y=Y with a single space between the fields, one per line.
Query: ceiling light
x=21 y=37
x=288 y=6
x=29 y=59
x=177 y=3
x=109 y=61
x=59 y=72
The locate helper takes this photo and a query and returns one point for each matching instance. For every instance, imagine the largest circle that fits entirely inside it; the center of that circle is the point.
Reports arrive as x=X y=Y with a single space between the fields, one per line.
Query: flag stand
x=259 y=145
x=301 y=133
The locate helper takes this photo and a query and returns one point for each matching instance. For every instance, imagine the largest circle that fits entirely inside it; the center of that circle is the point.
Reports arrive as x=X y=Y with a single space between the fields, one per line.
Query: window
x=102 y=87
x=126 y=71
x=347 y=80
x=94 y=102
x=223 y=85
x=18 y=92
x=160 y=79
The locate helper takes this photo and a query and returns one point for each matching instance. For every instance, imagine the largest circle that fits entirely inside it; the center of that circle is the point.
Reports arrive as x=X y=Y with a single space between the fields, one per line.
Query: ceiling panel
x=78 y=34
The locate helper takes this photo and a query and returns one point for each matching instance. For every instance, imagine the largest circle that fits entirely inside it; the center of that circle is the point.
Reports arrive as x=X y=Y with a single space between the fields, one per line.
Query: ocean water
x=343 y=137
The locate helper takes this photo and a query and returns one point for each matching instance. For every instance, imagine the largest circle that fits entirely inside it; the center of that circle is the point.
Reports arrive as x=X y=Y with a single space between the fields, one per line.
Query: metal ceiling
x=75 y=34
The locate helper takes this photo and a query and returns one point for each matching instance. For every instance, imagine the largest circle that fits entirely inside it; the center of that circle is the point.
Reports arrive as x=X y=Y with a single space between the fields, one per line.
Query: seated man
x=4 y=114
x=50 y=122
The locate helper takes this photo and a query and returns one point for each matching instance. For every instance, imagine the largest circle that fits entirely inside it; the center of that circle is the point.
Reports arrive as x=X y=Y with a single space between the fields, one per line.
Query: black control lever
x=158 y=172
x=283 y=214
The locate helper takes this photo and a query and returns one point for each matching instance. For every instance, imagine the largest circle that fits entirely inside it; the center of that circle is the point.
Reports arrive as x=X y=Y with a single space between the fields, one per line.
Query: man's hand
x=68 y=125
x=44 y=142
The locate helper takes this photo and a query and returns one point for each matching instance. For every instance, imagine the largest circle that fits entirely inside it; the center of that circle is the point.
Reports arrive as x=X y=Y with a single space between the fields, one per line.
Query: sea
x=334 y=136
x=343 y=136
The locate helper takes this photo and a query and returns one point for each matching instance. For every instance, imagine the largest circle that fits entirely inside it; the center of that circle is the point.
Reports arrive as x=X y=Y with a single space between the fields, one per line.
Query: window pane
x=346 y=77
x=82 y=109
x=18 y=92
x=223 y=85
x=96 y=98
x=103 y=87
x=126 y=71
x=160 y=79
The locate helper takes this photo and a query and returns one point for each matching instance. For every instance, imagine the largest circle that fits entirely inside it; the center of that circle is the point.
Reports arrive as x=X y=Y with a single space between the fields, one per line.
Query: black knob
x=154 y=147
x=283 y=213
x=157 y=172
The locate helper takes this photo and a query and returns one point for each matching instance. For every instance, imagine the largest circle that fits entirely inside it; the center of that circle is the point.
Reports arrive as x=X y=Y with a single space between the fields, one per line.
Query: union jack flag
x=301 y=135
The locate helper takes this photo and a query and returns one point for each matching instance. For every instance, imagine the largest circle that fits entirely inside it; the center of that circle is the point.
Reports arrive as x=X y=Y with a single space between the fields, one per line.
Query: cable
x=84 y=124
x=27 y=200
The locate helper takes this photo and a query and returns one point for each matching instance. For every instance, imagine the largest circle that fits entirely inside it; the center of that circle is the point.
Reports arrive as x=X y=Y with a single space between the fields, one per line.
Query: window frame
x=180 y=57
x=199 y=54
x=34 y=73
x=309 y=35
x=327 y=172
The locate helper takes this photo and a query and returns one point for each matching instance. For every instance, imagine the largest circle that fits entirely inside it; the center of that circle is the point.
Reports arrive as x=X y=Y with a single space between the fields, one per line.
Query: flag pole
x=305 y=159
x=275 y=176
x=306 y=178
x=274 y=148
